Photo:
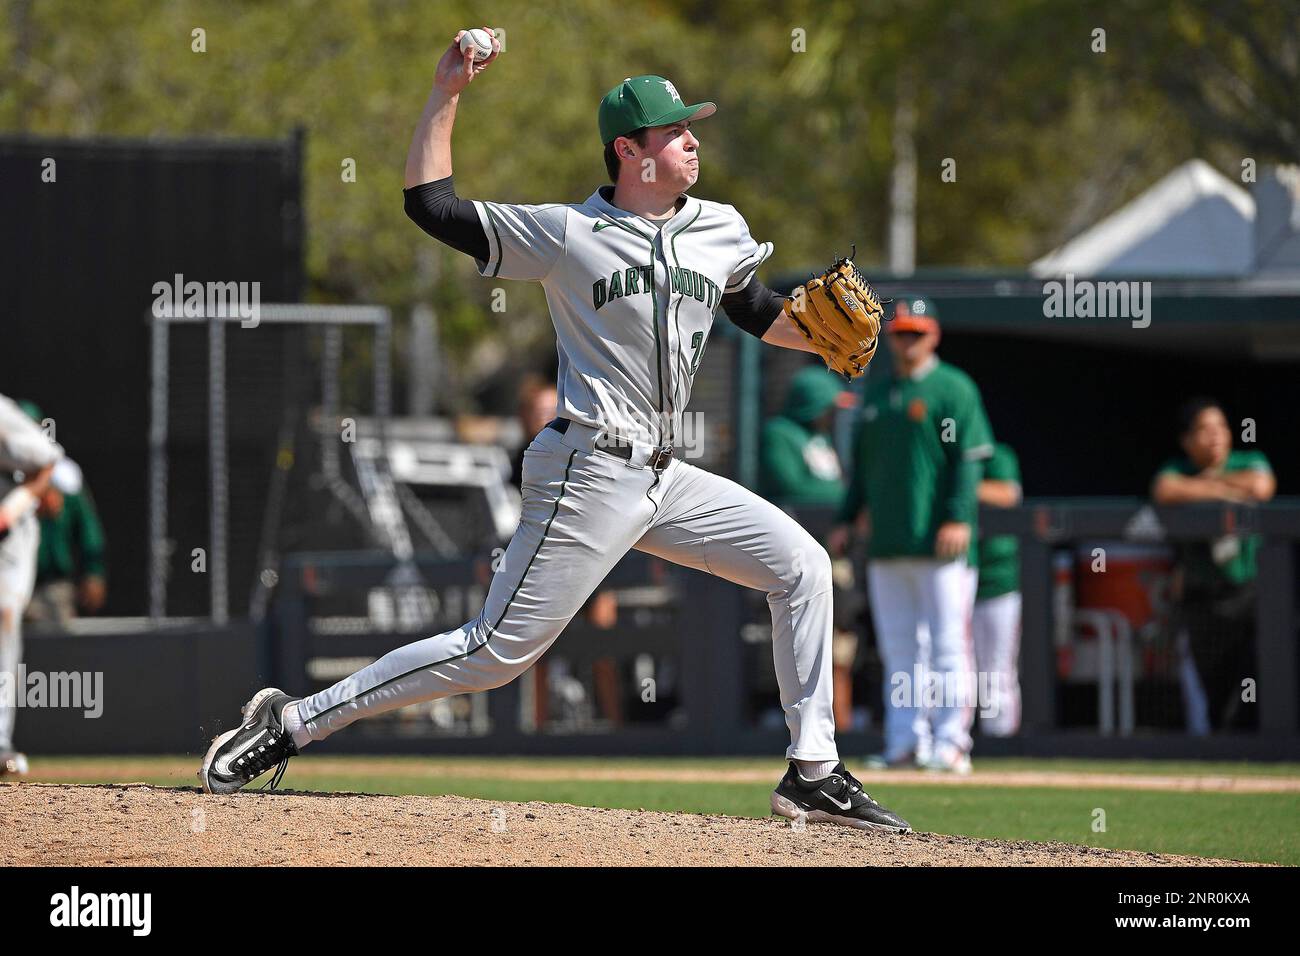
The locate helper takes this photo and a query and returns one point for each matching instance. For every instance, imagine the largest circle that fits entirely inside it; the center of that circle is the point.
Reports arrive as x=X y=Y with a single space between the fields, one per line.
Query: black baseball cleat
x=838 y=798
x=240 y=756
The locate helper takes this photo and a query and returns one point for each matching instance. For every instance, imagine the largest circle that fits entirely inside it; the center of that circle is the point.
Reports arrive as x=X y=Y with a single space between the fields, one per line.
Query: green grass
x=1259 y=827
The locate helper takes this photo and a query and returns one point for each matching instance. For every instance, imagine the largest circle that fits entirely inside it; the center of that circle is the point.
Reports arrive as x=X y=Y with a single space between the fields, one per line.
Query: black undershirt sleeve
x=436 y=209
x=754 y=308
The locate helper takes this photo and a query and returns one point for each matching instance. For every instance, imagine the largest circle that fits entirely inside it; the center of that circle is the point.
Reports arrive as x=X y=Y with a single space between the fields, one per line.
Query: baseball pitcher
x=633 y=277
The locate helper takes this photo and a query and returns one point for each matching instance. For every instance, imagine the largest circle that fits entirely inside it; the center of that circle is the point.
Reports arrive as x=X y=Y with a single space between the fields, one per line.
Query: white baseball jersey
x=632 y=300
x=23 y=448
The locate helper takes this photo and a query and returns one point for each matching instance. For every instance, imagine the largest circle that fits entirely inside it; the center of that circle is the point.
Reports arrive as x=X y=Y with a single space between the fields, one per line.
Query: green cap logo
x=641 y=101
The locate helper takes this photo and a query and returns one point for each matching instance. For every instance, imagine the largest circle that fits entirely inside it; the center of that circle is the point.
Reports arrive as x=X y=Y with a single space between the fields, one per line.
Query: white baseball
x=480 y=41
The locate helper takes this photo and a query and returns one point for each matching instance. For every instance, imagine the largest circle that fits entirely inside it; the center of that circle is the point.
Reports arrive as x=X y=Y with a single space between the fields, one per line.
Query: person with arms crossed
x=633 y=275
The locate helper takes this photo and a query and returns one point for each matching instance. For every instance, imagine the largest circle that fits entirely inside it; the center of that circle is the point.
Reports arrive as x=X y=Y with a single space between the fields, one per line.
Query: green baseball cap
x=914 y=313
x=641 y=101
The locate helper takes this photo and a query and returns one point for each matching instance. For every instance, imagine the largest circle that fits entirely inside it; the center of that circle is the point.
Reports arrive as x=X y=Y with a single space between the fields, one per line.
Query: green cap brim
x=694 y=111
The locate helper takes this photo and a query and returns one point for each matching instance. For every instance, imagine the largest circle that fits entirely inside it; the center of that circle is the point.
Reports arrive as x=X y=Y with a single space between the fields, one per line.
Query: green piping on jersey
x=492 y=629
x=659 y=359
x=564 y=484
x=677 y=313
x=627 y=228
x=654 y=313
x=495 y=235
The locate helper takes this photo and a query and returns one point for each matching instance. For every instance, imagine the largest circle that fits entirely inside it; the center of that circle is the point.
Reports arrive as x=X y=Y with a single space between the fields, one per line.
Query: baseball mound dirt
x=138 y=825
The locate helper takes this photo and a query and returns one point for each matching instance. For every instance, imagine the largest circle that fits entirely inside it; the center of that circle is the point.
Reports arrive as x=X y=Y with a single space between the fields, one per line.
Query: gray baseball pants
x=583 y=509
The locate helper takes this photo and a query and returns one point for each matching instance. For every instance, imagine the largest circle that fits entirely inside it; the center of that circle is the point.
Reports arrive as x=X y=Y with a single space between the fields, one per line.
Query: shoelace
x=277 y=776
x=274 y=753
x=855 y=785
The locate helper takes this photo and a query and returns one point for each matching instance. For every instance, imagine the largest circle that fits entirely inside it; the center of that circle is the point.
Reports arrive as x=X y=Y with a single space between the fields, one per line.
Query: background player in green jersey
x=916 y=468
x=799 y=463
x=995 y=620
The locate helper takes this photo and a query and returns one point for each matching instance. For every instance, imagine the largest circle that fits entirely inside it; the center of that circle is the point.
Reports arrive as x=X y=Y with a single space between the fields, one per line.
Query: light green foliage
x=1048 y=135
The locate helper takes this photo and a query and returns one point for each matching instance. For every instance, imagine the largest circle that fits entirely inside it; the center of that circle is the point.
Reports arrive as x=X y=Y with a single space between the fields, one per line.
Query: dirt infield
x=137 y=825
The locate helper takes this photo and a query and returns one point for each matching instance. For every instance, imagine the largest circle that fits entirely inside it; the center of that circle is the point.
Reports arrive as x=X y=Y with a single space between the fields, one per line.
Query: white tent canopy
x=1193 y=222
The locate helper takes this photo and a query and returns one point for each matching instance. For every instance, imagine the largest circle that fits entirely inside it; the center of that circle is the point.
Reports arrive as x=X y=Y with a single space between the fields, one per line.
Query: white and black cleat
x=838 y=798
x=240 y=756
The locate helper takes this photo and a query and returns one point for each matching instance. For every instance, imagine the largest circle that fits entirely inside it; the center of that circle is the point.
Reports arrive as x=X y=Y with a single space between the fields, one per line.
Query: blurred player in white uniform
x=27 y=462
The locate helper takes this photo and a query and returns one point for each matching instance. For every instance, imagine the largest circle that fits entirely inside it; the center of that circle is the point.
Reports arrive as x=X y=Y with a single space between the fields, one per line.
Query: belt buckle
x=660 y=458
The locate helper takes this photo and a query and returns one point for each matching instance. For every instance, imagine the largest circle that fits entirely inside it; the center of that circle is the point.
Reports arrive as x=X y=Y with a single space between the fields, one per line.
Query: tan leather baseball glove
x=840 y=314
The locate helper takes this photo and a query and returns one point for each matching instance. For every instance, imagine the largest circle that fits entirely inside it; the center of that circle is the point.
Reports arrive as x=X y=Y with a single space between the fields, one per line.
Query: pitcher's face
x=673 y=152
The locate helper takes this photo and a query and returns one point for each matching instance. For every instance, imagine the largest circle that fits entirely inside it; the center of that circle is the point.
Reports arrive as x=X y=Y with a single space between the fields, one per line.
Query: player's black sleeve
x=436 y=209
x=754 y=308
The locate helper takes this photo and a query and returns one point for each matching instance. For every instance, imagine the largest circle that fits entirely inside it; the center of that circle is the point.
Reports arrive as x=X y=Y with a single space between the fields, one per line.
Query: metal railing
x=1043 y=525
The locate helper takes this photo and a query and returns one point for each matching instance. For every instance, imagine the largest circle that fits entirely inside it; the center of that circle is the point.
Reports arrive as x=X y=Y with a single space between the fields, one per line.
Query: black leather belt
x=658 y=459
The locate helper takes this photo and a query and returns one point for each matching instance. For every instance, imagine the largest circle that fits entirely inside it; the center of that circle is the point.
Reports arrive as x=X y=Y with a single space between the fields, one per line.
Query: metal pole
x=1275 y=614
x=1124 y=674
x=422 y=359
x=331 y=356
x=383 y=372
x=158 y=550
x=218 y=479
x=902 y=180
x=1040 y=618
x=1100 y=622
